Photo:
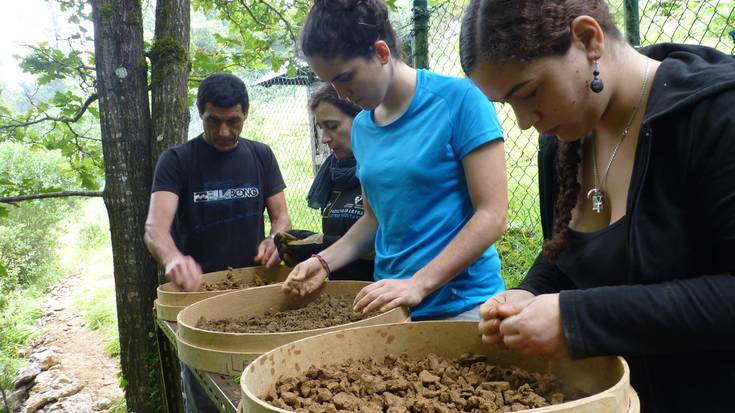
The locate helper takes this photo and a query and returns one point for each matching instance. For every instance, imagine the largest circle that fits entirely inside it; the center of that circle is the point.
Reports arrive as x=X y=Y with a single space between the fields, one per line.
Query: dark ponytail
x=347 y=29
x=567 y=170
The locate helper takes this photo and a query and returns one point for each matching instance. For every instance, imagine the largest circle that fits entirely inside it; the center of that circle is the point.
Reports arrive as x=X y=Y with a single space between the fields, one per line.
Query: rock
x=78 y=403
x=101 y=404
x=56 y=305
x=60 y=381
x=18 y=396
x=26 y=375
x=46 y=359
x=38 y=401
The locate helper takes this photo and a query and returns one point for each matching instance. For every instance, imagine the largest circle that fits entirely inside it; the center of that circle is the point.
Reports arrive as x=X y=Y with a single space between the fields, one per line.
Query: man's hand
x=185 y=273
x=490 y=317
x=388 y=294
x=305 y=278
x=267 y=253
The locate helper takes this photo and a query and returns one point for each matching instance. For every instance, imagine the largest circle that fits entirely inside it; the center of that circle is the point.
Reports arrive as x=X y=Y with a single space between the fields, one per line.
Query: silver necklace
x=597 y=194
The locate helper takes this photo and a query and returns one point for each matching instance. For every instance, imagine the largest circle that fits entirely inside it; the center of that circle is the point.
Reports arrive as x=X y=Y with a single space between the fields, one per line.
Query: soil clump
x=397 y=384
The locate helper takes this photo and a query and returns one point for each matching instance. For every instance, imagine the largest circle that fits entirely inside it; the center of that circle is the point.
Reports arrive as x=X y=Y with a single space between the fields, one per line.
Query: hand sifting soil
x=325 y=311
x=433 y=384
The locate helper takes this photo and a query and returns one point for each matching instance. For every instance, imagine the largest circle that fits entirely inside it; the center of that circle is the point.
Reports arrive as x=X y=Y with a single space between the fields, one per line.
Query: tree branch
x=252 y=15
x=283 y=19
x=63 y=194
x=73 y=119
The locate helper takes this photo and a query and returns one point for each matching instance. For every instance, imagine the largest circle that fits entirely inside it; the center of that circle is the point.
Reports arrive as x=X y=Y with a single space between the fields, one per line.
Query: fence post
x=421 y=33
x=632 y=22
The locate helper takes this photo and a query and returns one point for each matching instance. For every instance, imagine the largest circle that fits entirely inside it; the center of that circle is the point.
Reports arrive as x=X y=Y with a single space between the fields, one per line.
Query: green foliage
x=18 y=319
x=261 y=33
x=118 y=406
x=518 y=250
x=29 y=232
x=92 y=237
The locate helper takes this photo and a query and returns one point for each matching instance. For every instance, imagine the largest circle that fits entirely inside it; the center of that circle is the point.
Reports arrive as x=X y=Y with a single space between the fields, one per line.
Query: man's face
x=222 y=126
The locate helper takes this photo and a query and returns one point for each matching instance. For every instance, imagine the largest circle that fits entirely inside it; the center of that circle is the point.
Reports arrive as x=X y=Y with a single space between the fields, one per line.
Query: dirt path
x=79 y=375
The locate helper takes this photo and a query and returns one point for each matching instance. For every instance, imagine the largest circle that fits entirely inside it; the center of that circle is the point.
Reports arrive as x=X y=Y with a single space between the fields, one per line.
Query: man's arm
x=280 y=221
x=183 y=271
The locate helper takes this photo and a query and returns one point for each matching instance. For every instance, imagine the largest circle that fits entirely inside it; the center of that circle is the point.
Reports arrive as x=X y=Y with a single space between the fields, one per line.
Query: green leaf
x=3 y=272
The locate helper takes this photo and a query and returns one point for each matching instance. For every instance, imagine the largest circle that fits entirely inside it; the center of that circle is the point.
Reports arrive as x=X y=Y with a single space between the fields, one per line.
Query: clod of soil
x=431 y=385
x=230 y=283
x=325 y=311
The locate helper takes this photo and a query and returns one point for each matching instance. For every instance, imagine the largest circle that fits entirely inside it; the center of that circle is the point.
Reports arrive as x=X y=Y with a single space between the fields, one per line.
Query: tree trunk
x=170 y=66
x=125 y=128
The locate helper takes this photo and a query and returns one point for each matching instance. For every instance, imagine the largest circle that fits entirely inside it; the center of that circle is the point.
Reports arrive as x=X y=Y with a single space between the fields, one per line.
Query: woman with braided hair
x=637 y=189
x=430 y=159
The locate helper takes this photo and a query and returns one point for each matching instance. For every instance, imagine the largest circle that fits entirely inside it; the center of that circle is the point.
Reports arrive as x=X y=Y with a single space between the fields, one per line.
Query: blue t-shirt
x=412 y=174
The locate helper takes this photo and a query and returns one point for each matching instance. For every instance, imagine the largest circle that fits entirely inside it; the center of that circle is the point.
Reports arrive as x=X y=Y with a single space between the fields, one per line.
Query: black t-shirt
x=219 y=219
x=344 y=208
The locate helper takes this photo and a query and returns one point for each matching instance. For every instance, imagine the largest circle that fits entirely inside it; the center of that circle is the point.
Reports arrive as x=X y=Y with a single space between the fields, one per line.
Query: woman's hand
x=534 y=326
x=490 y=318
x=305 y=278
x=388 y=294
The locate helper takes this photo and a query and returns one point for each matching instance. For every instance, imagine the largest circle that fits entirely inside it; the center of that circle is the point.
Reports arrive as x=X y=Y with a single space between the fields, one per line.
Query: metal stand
x=222 y=390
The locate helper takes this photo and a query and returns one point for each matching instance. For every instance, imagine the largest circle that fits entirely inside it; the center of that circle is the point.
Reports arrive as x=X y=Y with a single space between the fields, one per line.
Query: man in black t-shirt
x=214 y=190
x=208 y=199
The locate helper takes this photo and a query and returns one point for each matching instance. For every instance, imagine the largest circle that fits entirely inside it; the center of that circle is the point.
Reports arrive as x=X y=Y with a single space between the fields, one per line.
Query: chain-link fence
x=279 y=114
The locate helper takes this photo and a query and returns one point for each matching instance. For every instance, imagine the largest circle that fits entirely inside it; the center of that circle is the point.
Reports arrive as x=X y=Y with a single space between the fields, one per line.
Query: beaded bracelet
x=323 y=263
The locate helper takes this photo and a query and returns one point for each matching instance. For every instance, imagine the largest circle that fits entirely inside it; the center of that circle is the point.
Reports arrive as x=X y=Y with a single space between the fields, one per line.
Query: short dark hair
x=222 y=90
x=524 y=30
x=347 y=28
x=326 y=93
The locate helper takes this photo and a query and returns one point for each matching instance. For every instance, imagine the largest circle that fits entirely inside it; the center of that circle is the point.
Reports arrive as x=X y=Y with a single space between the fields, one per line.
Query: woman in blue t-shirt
x=430 y=159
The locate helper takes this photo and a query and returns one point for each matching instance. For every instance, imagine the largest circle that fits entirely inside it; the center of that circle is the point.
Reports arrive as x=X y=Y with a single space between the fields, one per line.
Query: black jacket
x=673 y=317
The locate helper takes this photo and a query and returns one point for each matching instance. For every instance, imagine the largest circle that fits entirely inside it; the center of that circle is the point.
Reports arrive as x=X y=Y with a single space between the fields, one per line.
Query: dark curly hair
x=347 y=29
x=326 y=93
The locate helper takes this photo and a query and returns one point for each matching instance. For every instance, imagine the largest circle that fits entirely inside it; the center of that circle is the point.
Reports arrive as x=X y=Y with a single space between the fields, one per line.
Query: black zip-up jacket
x=672 y=315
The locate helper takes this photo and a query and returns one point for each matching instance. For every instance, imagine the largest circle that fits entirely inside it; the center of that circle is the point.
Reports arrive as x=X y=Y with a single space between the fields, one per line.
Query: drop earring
x=596 y=84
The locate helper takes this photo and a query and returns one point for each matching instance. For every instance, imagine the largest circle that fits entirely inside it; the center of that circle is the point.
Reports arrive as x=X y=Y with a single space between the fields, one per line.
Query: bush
x=29 y=233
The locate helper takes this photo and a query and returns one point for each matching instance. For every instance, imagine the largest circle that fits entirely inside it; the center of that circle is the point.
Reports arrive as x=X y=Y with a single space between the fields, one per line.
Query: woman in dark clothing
x=637 y=184
x=336 y=191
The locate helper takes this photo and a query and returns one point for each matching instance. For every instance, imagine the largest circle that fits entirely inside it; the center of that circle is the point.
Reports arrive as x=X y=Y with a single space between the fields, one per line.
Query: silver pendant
x=596 y=196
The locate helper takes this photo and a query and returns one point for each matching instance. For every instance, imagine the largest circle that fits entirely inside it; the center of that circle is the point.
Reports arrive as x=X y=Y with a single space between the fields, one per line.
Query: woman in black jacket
x=336 y=191
x=637 y=184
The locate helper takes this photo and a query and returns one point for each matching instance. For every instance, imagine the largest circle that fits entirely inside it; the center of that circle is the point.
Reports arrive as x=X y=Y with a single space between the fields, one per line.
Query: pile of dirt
x=325 y=311
x=433 y=384
x=231 y=283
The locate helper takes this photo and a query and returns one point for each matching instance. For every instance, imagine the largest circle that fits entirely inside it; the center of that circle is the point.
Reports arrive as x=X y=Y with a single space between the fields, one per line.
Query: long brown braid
x=567 y=170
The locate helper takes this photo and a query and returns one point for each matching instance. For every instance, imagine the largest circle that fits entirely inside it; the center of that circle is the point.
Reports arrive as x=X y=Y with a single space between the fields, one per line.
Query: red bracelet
x=323 y=263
